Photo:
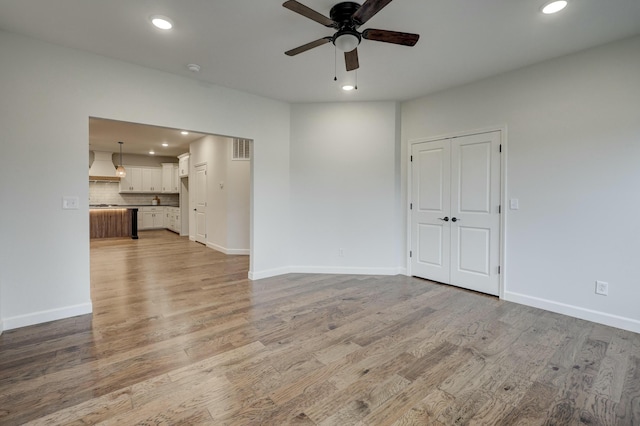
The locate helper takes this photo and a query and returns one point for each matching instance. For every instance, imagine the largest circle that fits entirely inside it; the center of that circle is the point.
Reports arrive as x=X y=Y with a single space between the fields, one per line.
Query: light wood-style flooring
x=179 y=335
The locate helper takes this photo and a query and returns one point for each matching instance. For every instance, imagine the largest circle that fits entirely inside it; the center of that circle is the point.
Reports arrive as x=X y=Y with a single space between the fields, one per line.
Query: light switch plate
x=70 y=202
x=514 y=204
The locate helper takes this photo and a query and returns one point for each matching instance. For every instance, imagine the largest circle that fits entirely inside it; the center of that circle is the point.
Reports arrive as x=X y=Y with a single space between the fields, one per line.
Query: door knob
x=446 y=218
x=453 y=219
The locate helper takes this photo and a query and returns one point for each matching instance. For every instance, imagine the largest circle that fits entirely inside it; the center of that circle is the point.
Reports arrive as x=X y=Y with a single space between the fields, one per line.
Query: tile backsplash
x=108 y=193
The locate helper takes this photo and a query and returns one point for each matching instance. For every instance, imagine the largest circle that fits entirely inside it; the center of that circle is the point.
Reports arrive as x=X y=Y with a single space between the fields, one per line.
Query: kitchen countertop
x=127 y=206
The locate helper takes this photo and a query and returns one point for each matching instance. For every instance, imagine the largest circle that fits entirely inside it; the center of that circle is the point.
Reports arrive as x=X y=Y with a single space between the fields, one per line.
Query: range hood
x=103 y=168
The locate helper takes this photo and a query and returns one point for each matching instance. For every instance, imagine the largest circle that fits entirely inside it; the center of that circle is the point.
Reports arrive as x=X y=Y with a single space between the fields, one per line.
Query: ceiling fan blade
x=308 y=46
x=308 y=13
x=395 y=37
x=368 y=9
x=351 y=60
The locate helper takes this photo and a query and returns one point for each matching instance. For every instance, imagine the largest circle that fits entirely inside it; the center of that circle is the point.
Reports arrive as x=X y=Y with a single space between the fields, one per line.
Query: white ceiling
x=104 y=135
x=240 y=43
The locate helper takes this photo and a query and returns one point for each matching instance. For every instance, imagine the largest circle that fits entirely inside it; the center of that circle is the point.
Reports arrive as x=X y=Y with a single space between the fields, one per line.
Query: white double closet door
x=455 y=215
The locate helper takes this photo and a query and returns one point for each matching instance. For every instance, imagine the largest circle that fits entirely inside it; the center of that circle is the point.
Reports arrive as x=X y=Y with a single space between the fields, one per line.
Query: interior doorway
x=144 y=148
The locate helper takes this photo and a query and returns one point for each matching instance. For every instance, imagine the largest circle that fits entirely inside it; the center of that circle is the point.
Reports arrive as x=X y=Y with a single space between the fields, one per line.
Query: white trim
x=503 y=192
x=624 y=323
x=1 y=328
x=338 y=270
x=268 y=273
x=225 y=250
x=346 y=270
x=46 y=316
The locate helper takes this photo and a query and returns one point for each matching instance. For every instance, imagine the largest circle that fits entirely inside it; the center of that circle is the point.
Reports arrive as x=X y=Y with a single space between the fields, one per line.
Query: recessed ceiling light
x=165 y=144
x=151 y=152
x=184 y=132
x=162 y=22
x=554 y=6
x=347 y=87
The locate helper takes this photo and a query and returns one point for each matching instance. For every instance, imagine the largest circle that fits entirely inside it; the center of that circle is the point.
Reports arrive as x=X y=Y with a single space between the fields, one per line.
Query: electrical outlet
x=341 y=252
x=602 y=288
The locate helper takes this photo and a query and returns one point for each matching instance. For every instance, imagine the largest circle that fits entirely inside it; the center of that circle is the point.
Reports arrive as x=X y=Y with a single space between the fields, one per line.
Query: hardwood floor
x=180 y=336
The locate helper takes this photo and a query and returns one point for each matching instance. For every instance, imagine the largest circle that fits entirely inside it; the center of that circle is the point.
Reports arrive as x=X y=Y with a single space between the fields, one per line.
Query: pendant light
x=120 y=171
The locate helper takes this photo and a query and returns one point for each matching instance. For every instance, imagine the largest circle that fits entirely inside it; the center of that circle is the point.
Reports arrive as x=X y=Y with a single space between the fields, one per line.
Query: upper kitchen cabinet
x=152 y=179
x=183 y=165
x=142 y=179
x=170 y=178
x=132 y=182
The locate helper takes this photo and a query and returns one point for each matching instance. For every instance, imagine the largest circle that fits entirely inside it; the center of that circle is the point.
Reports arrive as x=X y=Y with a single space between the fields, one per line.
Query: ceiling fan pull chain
x=335 y=62
x=356 y=86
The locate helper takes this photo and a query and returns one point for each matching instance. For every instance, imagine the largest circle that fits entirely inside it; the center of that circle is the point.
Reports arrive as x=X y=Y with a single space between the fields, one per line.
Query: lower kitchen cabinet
x=151 y=218
x=172 y=219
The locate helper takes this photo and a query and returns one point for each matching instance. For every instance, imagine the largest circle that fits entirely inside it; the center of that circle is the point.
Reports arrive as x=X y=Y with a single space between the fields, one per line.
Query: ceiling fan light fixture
x=346 y=40
x=554 y=6
x=348 y=87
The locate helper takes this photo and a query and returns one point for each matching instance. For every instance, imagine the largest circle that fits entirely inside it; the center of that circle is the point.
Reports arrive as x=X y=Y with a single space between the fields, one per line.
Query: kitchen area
x=147 y=178
x=140 y=188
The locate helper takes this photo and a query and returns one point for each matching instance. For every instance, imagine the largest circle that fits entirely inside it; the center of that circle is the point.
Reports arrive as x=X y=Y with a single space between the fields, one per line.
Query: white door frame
x=194 y=213
x=503 y=193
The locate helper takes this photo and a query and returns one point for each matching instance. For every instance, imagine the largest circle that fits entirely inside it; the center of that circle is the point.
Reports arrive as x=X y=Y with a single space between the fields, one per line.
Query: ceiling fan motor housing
x=341 y=14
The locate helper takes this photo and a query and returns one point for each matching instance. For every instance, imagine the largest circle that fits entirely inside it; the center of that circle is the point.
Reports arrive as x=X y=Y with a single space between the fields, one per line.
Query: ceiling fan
x=346 y=18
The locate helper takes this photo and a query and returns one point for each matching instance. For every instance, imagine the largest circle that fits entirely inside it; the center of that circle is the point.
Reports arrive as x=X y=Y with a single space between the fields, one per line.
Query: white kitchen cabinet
x=132 y=182
x=172 y=219
x=169 y=178
x=141 y=180
x=183 y=165
x=177 y=227
x=152 y=179
x=176 y=179
x=151 y=217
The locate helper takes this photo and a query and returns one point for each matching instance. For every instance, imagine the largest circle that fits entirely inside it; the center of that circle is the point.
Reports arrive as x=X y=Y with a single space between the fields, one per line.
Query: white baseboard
x=340 y=270
x=268 y=273
x=46 y=316
x=228 y=250
x=345 y=270
x=1 y=328
x=624 y=323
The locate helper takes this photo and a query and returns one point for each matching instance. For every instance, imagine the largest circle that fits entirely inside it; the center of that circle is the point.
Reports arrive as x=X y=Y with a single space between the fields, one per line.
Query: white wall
x=343 y=188
x=238 y=184
x=228 y=204
x=48 y=94
x=573 y=162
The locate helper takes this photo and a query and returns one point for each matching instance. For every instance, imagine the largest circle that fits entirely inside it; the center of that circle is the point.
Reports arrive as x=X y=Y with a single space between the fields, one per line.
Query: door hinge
x=500 y=147
x=411 y=206
x=410 y=253
x=412 y=158
x=498 y=269
x=500 y=209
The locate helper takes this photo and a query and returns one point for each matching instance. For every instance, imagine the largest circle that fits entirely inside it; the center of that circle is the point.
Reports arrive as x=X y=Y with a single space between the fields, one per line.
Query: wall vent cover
x=241 y=149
